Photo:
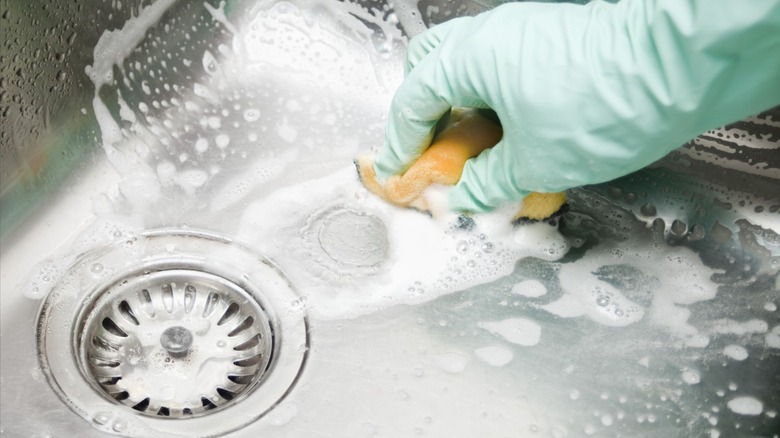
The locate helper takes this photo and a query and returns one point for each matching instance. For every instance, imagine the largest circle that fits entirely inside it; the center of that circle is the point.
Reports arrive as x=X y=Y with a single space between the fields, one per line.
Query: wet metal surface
x=650 y=310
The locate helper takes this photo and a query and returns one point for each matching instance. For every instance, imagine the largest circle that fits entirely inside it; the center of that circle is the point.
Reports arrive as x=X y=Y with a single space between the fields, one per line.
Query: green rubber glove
x=585 y=93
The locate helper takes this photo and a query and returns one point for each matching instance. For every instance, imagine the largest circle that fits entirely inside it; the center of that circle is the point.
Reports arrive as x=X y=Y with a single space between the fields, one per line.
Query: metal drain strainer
x=176 y=343
x=172 y=325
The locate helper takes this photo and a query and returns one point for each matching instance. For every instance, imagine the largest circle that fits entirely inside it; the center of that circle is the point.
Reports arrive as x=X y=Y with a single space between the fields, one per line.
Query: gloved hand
x=585 y=93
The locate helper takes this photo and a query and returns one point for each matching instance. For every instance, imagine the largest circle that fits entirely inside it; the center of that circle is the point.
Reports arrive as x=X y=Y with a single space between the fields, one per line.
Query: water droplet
x=222 y=140
x=96 y=268
x=251 y=115
x=209 y=63
x=101 y=418
x=679 y=227
x=462 y=247
x=120 y=426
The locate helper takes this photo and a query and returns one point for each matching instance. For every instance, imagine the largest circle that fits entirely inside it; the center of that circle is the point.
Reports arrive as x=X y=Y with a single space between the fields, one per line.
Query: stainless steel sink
x=176 y=180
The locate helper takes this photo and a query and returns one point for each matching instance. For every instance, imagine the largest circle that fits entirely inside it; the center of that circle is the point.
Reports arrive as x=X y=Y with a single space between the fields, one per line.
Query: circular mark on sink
x=353 y=238
x=187 y=325
x=346 y=241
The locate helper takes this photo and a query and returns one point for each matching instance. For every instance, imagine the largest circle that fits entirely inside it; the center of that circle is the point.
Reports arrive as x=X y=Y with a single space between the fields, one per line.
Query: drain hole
x=241 y=380
x=103 y=344
x=146 y=302
x=112 y=328
x=245 y=324
x=252 y=342
x=109 y=381
x=189 y=298
x=250 y=361
x=127 y=312
x=143 y=405
x=227 y=395
x=207 y=404
x=211 y=304
x=230 y=312
x=121 y=343
x=167 y=297
x=103 y=363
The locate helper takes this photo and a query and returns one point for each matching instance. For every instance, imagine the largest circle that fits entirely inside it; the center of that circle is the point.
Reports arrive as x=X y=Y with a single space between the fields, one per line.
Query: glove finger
x=412 y=119
x=423 y=44
x=436 y=82
x=419 y=103
x=488 y=181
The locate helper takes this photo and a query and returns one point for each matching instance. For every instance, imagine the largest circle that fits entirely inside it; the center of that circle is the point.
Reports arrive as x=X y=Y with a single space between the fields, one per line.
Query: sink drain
x=176 y=343
x=172 y=325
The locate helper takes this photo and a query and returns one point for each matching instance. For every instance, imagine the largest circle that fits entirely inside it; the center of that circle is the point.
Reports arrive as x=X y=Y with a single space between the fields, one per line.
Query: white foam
x=287 y=37
x=596 y=299
x=222 y=140
x=494 y=355
x=256 y=174
x=452 y=362
x=46 y=274
x=691 y=376
x=210 y=64
x=731 y=326
x=520 y=331
x=529 y=288
x=286 y=131
x=772 y=338
x=426 y=259
x=201 y=145
x=219 y=15
x=111 y=50
x=541 y=240
x=736 y=352
x=191 y=179
x=746 y=405
x=697 y=341
x=676 y=278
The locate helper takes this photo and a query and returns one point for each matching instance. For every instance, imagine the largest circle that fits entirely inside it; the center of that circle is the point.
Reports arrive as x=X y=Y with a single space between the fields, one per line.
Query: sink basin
x=183 y=150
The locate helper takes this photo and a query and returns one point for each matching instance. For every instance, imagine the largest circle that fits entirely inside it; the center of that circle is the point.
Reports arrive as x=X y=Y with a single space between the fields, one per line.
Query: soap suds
x=773 y=338
x=520 y=331
x=529 y=288
x=601 y=286
x=746 y=405
x=425 y=260
x=113 y=47
x=452 y=362
x=736 y=352
x=494 y=355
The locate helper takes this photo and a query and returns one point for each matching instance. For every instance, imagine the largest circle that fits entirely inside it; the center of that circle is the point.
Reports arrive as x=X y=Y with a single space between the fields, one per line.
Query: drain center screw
x=176 y=340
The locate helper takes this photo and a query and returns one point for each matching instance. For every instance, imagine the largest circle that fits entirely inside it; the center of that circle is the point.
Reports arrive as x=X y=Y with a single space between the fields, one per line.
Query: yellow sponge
x=465 y=136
